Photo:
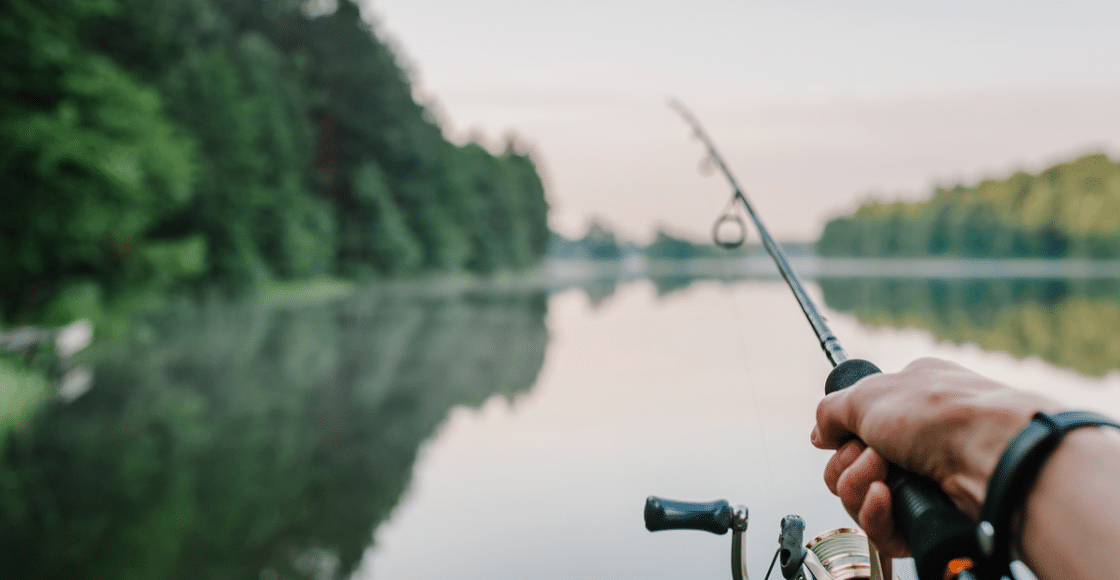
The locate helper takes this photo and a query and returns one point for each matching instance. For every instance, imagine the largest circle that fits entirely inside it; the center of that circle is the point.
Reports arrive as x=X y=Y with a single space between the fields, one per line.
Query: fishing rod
x=943 y=540
x=829 y=343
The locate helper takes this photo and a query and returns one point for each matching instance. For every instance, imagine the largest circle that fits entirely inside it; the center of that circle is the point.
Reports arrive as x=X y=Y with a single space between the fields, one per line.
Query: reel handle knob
x=936 y=530
x=665 y=514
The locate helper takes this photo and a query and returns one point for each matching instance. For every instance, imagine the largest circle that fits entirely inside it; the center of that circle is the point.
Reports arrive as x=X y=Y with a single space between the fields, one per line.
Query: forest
x=157 y=146
x=1070 y=210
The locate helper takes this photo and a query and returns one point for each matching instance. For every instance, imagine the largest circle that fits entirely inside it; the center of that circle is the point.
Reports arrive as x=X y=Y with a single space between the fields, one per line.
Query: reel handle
x=936 y=530
x=665 y=514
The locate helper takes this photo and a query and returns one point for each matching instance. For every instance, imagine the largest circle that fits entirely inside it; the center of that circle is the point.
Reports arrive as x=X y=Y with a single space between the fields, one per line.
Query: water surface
x=706 y=393
x=491 y=434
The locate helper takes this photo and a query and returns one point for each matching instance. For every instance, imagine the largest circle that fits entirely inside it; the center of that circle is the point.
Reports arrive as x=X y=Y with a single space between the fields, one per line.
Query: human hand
x=935 y=418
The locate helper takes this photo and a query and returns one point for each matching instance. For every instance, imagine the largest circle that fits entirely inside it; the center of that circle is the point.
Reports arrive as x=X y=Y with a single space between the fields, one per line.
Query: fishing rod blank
x=938 y=533
x=829 y=343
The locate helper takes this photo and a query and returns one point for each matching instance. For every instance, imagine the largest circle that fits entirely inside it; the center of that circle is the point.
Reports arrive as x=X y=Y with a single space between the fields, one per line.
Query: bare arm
x=1071 y=524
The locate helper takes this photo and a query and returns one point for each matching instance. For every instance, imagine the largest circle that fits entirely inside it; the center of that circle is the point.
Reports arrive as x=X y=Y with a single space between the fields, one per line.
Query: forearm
x=1069 y=528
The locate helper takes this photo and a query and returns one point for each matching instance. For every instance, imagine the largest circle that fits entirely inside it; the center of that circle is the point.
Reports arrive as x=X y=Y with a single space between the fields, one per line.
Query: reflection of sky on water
x=706 y=394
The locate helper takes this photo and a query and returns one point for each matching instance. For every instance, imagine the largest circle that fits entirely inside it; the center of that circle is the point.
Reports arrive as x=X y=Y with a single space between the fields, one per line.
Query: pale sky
x=816 y=104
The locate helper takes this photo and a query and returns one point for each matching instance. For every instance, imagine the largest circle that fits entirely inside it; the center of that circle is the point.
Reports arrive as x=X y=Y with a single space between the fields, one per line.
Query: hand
x=934 y=418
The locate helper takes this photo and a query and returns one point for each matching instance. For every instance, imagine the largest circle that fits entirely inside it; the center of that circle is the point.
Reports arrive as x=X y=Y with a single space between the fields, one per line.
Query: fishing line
x=771 y=568
x=732 y=216
x=748 y=370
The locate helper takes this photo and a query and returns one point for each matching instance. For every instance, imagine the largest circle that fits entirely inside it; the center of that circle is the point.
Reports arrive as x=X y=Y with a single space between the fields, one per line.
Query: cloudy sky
x=816 y=104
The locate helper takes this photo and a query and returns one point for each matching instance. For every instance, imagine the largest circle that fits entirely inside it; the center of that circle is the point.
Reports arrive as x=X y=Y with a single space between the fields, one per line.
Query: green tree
x=88 y=156
x=376 y=232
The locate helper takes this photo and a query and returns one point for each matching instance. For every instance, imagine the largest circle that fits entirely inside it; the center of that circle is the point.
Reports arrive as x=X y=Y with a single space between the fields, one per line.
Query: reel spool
x=844 y=553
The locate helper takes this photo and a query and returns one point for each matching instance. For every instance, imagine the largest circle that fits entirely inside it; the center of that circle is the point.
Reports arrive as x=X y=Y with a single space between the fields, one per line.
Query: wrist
x=1069 y=508
x=1017 y=474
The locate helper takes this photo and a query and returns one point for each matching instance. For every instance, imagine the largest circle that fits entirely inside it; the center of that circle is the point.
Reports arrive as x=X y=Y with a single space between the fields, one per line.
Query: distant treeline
x=1069 y=210
x=165 y=143
x=600 y=243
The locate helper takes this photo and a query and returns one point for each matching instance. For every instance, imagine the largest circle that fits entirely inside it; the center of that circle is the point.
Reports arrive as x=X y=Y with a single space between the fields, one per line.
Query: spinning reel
x=840 y=554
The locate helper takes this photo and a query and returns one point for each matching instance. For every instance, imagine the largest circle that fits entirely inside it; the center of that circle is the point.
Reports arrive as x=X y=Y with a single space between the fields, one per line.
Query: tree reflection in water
x=1068 y=323
x=240 y=441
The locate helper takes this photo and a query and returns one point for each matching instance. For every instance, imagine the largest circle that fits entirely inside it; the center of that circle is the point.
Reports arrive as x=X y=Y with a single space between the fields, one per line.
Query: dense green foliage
x=230 y=440
x=1067 y=323
x=1069 y=210
x=166 y=143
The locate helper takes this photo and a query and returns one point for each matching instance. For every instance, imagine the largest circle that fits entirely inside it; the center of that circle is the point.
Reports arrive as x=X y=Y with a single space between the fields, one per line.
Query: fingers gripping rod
x=829 y=342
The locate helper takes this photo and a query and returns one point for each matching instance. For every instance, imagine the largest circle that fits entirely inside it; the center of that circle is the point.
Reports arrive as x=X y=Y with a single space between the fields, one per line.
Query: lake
x=494 y=432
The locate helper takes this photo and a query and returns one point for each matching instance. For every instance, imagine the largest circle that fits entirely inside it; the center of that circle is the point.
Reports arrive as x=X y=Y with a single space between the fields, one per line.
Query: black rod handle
x=936 y=530
x=666 y=514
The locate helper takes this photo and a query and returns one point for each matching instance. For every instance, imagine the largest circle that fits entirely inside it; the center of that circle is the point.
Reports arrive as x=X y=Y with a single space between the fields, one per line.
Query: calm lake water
x=489 y=434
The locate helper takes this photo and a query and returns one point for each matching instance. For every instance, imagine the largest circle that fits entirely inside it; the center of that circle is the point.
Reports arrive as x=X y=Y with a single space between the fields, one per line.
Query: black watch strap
x=1015 y=474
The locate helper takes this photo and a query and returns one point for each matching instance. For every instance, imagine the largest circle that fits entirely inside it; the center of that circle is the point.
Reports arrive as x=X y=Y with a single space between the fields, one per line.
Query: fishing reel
x=840 y=554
